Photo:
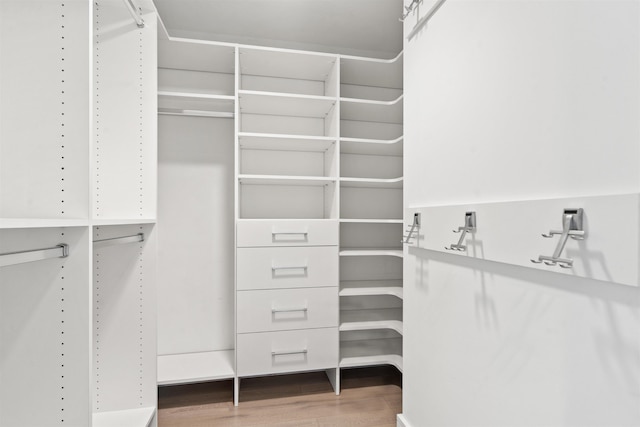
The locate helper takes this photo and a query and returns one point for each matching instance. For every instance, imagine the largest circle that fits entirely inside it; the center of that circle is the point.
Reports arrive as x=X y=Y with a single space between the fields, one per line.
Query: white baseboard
x=402 y=421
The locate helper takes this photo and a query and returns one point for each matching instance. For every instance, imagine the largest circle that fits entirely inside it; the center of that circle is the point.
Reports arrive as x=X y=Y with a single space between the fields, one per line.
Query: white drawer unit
x=287 y=309
x=287 y=233
x=287 y=351
x=293 y=267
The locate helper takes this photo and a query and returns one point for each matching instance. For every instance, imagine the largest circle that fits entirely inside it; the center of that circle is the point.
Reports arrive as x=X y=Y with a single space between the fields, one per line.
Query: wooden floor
x=370 y=397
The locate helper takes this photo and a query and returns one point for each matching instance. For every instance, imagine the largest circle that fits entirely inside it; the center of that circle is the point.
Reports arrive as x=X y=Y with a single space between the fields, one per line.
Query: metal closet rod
x=11 y=258
x=134 y=238
x=135 y=12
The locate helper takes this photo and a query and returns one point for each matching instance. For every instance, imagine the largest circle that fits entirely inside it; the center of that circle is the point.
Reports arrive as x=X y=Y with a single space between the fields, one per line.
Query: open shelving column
x=371 y=181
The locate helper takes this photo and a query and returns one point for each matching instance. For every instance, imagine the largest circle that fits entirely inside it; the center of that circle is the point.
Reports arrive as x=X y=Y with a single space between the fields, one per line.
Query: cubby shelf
x=285 y=104
x=371 y=71
x=371 y=319
x=266 y=141
x=371 y=352
x=379 y=147
x=351 y=288
x=196 y=367
x=139 y=417
x=367 y=110
x=256 y=61
x=122 y=221
x=6 y=223
x=285 y=180
x=203 y=104
x=371 y=252
x=372 y=182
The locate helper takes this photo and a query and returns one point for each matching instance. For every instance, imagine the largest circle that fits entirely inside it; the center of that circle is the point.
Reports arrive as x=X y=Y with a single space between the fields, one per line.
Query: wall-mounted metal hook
x=469 y=227
x=572 y=226
x=415 y=226
x=409 y=9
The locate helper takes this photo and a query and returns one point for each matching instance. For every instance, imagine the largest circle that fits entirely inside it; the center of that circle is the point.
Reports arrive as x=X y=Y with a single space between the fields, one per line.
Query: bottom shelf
x=140 y=417
x=195 y=367
x=371 y=353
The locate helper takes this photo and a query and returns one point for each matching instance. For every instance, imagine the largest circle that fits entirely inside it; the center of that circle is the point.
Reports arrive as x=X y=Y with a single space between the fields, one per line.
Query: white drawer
x=287 y=351
x=276 y=268
x=286 y=309
x=287 y=233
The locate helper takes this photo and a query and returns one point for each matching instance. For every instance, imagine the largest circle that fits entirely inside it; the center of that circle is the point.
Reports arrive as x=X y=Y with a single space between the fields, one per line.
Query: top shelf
x=196 y=55
x=371 y=72
x=286 y=64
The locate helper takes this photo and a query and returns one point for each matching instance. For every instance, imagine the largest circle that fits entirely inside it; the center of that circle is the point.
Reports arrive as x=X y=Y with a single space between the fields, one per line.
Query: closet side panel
x=124 y=157
x=196 y=235
x=44 y=108
x=508 y=101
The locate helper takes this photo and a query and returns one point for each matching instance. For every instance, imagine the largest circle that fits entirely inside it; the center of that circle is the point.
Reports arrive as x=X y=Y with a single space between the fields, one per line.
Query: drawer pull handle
x=289 y=310
x=300 y=267
x=285 y=353
x=290 y=233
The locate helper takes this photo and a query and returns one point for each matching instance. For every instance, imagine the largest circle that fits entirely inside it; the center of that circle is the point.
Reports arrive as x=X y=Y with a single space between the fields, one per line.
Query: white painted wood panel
x=310 y=349
x=287 y=233
x=295 y=267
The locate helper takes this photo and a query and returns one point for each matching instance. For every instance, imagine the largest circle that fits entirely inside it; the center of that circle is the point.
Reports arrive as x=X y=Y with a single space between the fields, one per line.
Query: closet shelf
x=370 y=221
x=285 y=180
x=285 y=104
x=371 y=319
x=266 y=141
x=397 y=252
x=352 y=288
x=195 y=367
x=372 y=72
x=371 y=353
x=376 y=147
x=122 y=221
x=6 y=223
x=271 y=62
x=139 y=417
x=194 y=103
x=365 y=110
x=372 y=182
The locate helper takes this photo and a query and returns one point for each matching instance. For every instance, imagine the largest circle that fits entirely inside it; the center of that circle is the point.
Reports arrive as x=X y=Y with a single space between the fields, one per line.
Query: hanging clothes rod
x=135 y=238
x=11 y=258
x=425 y=18
x=135 y=12
x=196 y=113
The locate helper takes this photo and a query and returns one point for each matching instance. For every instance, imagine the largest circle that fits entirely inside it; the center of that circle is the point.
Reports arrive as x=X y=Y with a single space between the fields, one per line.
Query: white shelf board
x=139 y=417
x=371 y=319
x=286 y=64
x=376 y=147
x=371 y=252
x=6 y=223
x=181 y=101
x=366 y=110
x=371 y=71
x=372 y=182
x=370 y=221
x=195 y=367
x=285 y=104
x=122 y=221
x=266 y=141
x=371 y=353
x=285 y=180
x=356 y=288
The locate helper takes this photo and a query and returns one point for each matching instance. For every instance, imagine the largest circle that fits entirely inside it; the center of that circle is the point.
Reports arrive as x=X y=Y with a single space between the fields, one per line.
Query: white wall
x=520 y=100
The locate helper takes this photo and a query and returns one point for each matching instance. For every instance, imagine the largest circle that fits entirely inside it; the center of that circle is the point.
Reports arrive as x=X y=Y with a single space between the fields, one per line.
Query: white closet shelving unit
x=370 y=214
x=196 y=100
x=78 y=164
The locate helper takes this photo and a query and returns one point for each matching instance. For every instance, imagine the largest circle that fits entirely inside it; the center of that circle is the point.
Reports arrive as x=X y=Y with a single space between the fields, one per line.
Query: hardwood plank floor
x=370 y=397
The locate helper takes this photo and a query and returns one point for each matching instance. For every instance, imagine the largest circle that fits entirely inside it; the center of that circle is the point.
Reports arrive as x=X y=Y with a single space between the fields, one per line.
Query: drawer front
x=276 y=268
x=287 y=309
x=287 y=351
x=287 y=233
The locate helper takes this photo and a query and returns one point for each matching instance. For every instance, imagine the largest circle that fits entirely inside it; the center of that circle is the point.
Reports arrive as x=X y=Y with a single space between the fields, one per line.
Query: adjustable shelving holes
x=572 y=226
x=468 y=227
